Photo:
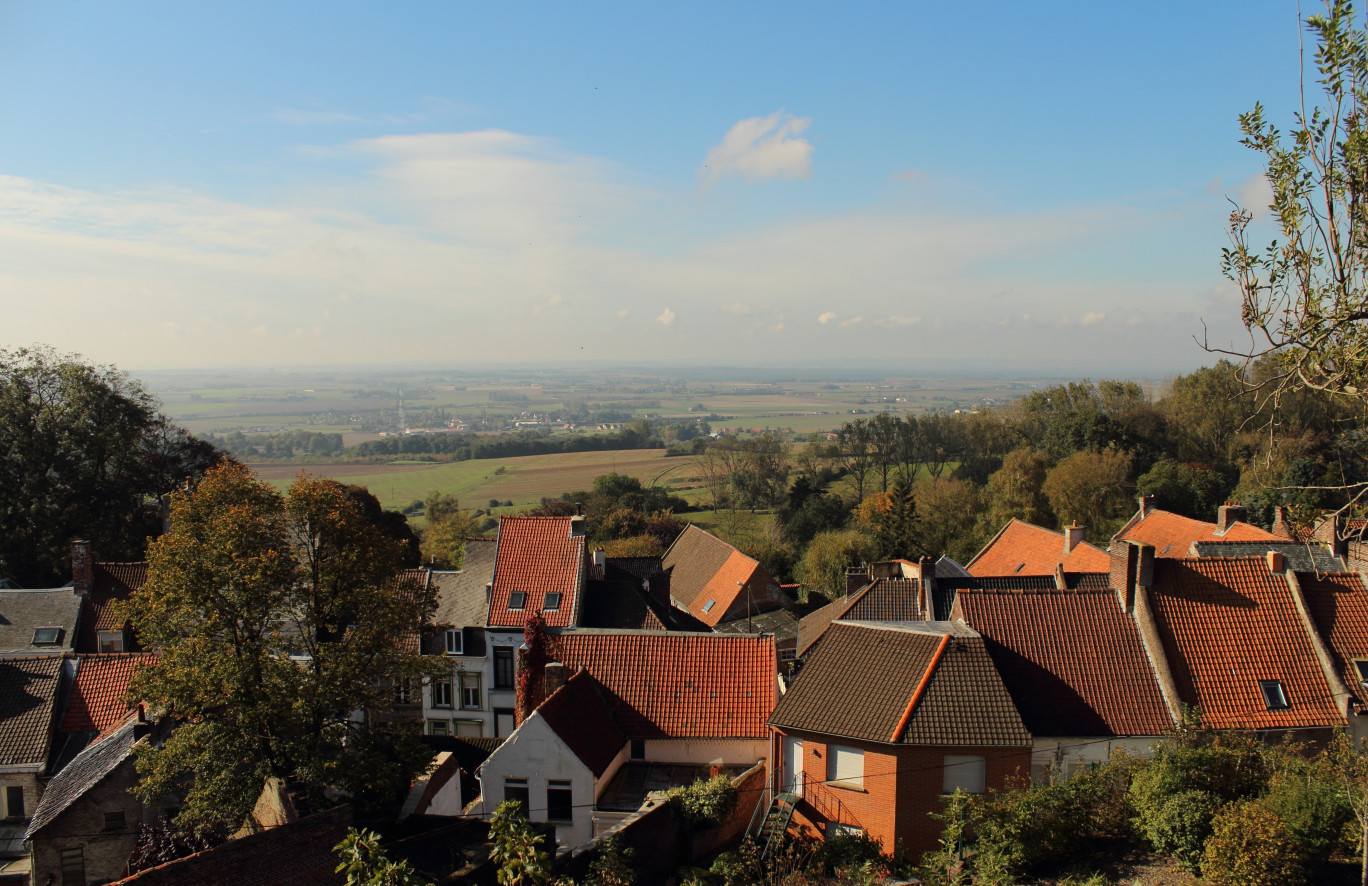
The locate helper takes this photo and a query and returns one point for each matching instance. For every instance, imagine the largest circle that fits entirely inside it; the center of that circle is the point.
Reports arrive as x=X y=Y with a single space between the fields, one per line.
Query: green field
x=524 y=481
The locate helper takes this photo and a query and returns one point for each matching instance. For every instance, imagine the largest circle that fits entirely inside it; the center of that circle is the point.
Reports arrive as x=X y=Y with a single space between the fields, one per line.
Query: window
x=503 y=667
x=114 y=821
x=453 y=641
x=560 y=804
x=46 y=636
x=441 y=693
x=469 y=728
x=516 y=789
x=402 y=692
x=707 y=607
x=111 y=641
x=470 y=692
x=845 y=767
x=439 y=727
x=1361 y=668
x=552 y=603
x=1275 y=696
x=965 y=773
x=836 y=829
x=14 y=801
x=788 y=653
x=638 y=749
x=517 y=600
x=73 y=867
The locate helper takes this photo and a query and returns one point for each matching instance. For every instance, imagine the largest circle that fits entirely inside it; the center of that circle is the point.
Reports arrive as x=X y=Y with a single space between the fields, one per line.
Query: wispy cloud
x=666 y=318
x=762 y=147
x=827 y=317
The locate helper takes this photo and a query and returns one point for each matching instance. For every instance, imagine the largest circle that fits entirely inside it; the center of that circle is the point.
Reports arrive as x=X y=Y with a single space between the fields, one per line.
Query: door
x=793 y=764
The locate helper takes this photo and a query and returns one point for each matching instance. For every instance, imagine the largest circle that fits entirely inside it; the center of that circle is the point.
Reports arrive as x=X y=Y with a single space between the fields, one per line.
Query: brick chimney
x=553 y=678
x=658 y=587
x=1230 y=513
x=82 y=567
x=1280 y=527
x=1073 y=537
x=598 y=565
x=856 y=578
x=1146 y=505
x=1330 y=531
x=1277 y=563
x=1132 y=567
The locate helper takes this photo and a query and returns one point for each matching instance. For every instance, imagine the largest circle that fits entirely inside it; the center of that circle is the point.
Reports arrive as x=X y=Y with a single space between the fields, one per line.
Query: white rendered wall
x=701 y=752
x=1064 y=753
x=536 y=753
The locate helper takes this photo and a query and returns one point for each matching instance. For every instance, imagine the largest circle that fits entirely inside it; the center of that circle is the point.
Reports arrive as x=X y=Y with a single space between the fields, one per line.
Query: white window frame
x=478 y=689
x=454 y=642
x=111 y=641
x=967 y=772
x=441 y=693
x=845 y=767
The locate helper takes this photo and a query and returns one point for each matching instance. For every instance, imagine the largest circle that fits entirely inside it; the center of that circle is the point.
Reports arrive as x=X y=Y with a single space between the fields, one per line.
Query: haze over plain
x=1004 y=186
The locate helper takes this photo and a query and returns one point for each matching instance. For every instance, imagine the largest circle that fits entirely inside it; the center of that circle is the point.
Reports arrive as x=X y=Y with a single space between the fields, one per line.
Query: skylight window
x=517 y=600
x=552 y=601
x=46 y=636
x=1275 y=696
x=707 y=607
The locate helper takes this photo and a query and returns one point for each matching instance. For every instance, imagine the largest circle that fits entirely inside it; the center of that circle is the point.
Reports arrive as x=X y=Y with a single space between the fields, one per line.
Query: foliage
x=83 y=454
x=365 y=863
x=1093 y=488
x=448 y=527
x=161 y=841
x=945 y=866
x=517 y=853
x=612 y=865
x=823 y=567
x=274 y=619
x=705 y=803
x=947 y=511
x=1250 y=845
x=1017 y=491
x=635 y=546
x=1192 y=490
x=1312 y=807
x=850 y=851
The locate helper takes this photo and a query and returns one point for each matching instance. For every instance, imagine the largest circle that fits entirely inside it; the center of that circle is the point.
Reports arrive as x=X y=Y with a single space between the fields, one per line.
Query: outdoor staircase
x=775 y=825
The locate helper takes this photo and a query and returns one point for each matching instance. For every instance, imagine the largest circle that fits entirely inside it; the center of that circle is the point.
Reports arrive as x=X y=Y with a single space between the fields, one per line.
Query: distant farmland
x=524 y=481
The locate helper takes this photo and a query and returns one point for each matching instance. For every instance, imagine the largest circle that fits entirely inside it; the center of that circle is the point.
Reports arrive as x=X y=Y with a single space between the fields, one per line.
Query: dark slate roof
x=469 y=752
x=1087 y=581
x=580 y=715
x=641 y=567
x=782 y=623
x=1310 y=557
x=618 y=601
x=23 y=612
x=28 y=695
x=912 y=683
x=462 y=600
x=80 y=775
x=883 y=599
x=1072 y=660
x=944 y=591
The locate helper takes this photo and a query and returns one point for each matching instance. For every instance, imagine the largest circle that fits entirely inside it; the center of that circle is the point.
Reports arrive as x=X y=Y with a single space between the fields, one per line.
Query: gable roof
x=96 y=703
x=89 y=768
x=927 y=683
x=578 y=713
x=1226 y=624
x=707 y=574
x=1073 y=661
x=1338 y=606
x=22 y=612
x=883 y=599
x=1022 y=548
x=676 y=684
x=537 y=556
x=28 y=697
x=113 y=583
x=462 y=599
x=1173 y=534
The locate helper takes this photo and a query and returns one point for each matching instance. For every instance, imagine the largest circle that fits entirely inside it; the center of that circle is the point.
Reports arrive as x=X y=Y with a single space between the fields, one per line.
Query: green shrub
x=1314 y=810
x=704 y=803
x=849 y=850
x=1251 y=846
x=1179 y=824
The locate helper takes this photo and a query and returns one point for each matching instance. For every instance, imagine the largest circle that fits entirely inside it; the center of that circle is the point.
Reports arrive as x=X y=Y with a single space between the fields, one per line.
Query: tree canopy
x=276 y=619
x=83 y=454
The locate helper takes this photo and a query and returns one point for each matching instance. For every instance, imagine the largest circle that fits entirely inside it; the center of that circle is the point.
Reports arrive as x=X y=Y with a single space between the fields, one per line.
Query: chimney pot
x=1228 y=514
x=1073 y=537
x=553 y=677
x=1277 y=563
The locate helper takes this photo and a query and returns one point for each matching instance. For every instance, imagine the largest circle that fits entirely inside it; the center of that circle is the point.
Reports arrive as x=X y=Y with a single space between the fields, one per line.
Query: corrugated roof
x=1227 y=624
x=1072 y=661
x=925 y=684
x=679 y=685
x=537 y=556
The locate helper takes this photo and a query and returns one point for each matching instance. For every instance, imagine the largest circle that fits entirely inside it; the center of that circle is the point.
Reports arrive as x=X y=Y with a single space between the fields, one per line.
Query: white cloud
x=666 y=318
x=762 y=147
x=1092 y=318
x=827 y=317
x=851 y=321
x=1255 y=194
x=900 y=320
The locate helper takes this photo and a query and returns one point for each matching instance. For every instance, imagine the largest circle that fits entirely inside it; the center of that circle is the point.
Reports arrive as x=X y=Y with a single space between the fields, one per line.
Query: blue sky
x=1010 y=186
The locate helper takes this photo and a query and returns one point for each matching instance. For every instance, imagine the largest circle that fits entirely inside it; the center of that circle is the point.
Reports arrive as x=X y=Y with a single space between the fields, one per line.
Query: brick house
x=884 y=719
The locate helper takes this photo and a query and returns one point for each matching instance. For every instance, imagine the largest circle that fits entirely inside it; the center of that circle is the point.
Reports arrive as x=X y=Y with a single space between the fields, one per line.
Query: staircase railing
x=828 y=805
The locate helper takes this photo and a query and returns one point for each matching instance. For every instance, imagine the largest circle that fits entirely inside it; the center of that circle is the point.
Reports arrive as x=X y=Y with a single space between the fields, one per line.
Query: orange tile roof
x=1072 y=660
x=679 y=685
x=721 y=591
x=1338 y=604
x=1172 y=534
x=1228 y=623
x=705 y=569
x=97 y=695
x=537 y=556
x=1023 y=548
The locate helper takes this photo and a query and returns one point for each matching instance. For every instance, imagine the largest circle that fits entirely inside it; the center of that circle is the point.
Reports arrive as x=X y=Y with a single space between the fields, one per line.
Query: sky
x=1002 y=186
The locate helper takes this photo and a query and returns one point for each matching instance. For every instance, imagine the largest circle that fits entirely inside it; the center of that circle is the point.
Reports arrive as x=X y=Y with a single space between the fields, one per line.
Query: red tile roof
x=97 y=696
x=1022 y=548
x=114 y=582
x=707 y=574
x=1172 y=534
x=1338 y=604
x=537 y=556
x=679 y=685
x=1228 y=623
x=580 y=715
x=1072 y=660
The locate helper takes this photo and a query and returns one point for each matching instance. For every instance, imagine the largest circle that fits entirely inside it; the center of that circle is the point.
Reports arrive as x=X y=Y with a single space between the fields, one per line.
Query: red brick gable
x=537 y=556
x=1172 y=534
x=679 y=685
x=1228 y=623
x=1023 y=548
x=97 y=695
x=1073 y=661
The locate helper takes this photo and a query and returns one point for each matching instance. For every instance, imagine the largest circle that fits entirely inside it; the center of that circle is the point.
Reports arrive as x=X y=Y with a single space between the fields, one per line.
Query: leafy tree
x=83 y=453
x=366 y=864
x=274 y=619
x=762 y=476
x=448 y=527
x=1093 y=488
x=1017 y=491
x=824 y=562
x=392 y=524
x=517 y=852
x=1191 y=490
x=948 y=510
